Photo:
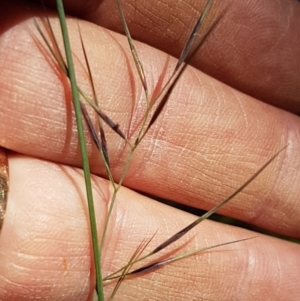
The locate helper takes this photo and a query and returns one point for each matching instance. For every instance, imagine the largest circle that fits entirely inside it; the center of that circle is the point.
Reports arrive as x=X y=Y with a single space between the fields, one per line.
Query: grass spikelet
x=191 y=38
x=135 y=56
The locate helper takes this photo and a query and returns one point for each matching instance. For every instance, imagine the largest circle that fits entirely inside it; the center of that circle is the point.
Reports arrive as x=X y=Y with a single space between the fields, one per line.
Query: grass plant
x=153 y=108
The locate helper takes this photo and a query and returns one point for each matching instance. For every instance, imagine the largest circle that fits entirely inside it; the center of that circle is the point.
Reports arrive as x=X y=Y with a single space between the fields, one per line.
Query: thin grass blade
x=142 y=246
x=185 y=230
x=57 y=56
x=91 y=127
x=193 y=34
x=59 y=59
x=154 y=266
x=135 y=56
x=134 y=258
x=162 y=103
x=179 y=69
x=102 y=147
x=88 y=67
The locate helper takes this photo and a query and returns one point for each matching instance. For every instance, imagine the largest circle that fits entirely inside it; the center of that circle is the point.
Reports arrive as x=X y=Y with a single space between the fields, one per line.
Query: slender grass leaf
x=135 y=56
x=134 y=258
x=159 y=264
x=193 y=34
x=185 y=230
x=103 y=145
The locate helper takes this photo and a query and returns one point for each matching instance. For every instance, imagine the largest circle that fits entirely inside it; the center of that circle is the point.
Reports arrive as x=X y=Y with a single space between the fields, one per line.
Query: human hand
x=208 y=141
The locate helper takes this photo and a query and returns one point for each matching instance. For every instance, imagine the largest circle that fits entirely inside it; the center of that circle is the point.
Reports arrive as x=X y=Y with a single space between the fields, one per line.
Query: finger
x=208 y=141
x=254 y=48
x=45 y=248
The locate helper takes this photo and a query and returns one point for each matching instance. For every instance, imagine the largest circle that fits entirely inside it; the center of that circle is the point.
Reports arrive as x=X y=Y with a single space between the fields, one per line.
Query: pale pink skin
x=209 y=139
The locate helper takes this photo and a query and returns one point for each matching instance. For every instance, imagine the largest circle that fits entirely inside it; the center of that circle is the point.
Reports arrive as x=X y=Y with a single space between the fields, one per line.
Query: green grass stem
x=84 y=153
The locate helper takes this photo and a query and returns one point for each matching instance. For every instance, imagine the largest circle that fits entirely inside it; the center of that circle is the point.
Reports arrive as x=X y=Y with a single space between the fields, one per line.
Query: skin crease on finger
x=45 y=251
x=208 y=141
x=253 y=38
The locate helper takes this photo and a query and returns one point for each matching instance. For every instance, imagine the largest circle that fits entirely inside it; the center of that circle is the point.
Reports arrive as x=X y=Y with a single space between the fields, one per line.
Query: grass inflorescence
x=153 y=109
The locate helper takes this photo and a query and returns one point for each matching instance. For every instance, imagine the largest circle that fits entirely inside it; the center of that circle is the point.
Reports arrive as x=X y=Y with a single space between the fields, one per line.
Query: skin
x=217 y=129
